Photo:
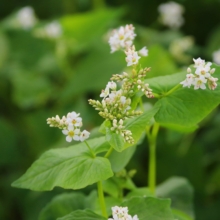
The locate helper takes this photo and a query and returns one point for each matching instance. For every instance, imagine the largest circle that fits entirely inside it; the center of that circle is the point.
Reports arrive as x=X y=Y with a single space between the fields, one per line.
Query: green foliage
x=65 y=203
x=81 y=215
x=149 y=208
x=67 y=168
x=181 y=193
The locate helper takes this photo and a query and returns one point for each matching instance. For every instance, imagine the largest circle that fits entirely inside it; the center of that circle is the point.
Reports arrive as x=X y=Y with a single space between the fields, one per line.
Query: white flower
x=53 y=29
x=199 y=83
x=71 y=133
x=121 y=213
x=216 y=56
x=198 y=62
x=26 y=17
x=84 y=135
x=132 y=56
x=212 y=83
x=111 y=85
x=122 y=38
x=143 y=52
x=105 y=93
x=188 y=81
x=203 y=70
x=171 y=14
x=74 y=119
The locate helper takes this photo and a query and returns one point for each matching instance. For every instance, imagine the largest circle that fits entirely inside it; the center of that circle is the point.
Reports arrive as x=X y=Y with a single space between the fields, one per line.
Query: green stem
x=173 y=89
x=109 y=152
x=90 y=149
x=102 y=199
x=152 y=157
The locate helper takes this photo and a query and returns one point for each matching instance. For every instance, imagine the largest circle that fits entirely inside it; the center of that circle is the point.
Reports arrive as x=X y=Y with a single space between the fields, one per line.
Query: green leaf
x=185 y=107
x=119 y=160
x=82 y=215
x=149 y=208
x=62 y=205
x=142 y=191
x=180 y=191
x=115 y=140
x=138 y=124
x=158 y=55
x=72 y=24
x=69 y=168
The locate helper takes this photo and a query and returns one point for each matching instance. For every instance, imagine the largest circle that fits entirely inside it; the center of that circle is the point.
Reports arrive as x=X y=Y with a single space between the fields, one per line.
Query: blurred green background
x=42 y=75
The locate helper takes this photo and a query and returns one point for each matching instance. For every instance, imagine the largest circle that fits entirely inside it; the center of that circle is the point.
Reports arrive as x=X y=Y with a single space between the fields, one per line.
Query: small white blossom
x=216 y=56
x=53 y=29
x=26 y=17
x=132 y=56
x=212 y=83
x=122 y=38
x=84 y=135
x=143 y=52
x=198 y=62
x=74 y=119
x=71 y=133
x=121 y=213
x=171 y=14
x=199 y=83
x=104 y=93
x=188 y=81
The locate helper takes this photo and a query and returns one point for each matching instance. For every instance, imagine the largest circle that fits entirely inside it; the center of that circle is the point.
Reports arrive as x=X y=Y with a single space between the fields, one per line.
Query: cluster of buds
x=70 y=126
x=144 y=87
x=201 y=76
x=121 y=213
x=119 y=129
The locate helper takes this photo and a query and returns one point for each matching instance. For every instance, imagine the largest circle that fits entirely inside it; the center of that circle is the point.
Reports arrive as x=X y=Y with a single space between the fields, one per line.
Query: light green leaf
x=142 y=191
x=180 y=191
x=115 y=140
x=62 y=205
x=138 y=124
x=158 y=55
x=72 y=24
x=69 y=168
x=82 y=215
x=149 y=208
x=119 y=160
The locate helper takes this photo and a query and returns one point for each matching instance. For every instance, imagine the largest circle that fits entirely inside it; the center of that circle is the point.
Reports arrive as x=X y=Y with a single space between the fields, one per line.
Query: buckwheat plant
x=102 y=159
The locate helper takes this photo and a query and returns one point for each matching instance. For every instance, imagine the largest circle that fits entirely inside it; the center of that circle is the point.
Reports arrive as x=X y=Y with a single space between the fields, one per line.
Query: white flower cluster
x=216 y=56
x=121 y=213
x=201 y=76
x=26 y=17
x=171 y=14
x=70 y=126
x=122 y=39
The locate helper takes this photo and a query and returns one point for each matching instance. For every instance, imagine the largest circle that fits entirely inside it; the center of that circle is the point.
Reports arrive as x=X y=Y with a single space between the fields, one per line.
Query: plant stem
x=102 y=199
x=109 y=152
x=90 y=149
x=152 y=157
x=173 y=89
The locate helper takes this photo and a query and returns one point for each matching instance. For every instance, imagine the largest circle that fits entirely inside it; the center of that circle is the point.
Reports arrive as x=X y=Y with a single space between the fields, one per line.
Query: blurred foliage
x=41 y=77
